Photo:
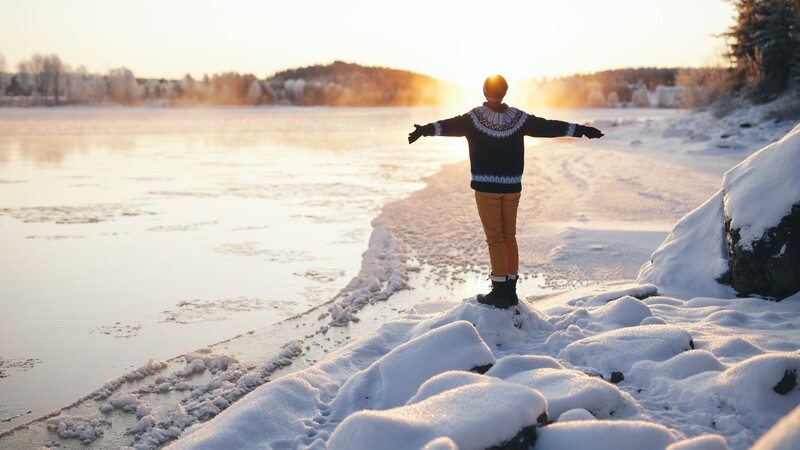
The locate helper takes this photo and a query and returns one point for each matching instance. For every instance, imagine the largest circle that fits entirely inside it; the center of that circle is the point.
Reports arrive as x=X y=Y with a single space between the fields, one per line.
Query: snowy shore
x=627 y=368
x=592 y=214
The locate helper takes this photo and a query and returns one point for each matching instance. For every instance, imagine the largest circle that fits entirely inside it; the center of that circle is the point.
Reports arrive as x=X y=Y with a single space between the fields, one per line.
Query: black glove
x=590 y=132
x=419 y=131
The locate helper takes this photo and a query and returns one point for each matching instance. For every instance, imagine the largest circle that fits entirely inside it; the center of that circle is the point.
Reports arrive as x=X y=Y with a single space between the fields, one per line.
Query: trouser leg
x=490 y=212
x=508 y=219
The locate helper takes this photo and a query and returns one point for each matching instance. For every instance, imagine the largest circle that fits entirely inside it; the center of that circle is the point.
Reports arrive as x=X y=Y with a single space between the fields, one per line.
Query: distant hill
x=347 y=84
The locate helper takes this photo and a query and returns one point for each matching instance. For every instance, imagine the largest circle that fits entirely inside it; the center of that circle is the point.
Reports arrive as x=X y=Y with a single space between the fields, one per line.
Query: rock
x=522 y=441
x=761 y=197
x=787 y=383
x=769 y=266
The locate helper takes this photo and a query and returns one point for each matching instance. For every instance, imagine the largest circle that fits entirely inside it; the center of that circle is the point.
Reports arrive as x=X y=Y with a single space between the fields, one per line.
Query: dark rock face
x=522 y=441
x=787 y=383
x=771 y=267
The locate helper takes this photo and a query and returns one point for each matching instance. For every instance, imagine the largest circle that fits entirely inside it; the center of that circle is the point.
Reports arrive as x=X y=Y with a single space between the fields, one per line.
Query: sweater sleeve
x=539 y=127
x=456 y=126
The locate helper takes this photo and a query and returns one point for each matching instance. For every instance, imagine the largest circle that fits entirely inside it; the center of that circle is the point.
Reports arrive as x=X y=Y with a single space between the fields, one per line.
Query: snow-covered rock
x=762 y=220
x=745 y=236
x=513 y=412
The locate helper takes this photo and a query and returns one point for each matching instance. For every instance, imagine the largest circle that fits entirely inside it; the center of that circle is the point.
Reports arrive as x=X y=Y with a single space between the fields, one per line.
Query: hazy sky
x=459 y=41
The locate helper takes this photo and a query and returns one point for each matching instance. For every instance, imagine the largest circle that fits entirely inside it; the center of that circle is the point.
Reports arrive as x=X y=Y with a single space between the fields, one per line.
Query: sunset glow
x=455 y=41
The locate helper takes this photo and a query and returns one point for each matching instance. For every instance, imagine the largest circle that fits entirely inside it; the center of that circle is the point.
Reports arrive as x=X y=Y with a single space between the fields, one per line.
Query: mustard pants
x=498 y=214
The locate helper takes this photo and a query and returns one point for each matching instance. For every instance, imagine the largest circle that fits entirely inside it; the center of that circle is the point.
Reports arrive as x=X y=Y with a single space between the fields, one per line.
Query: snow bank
x=384 y=271
x=410 y=383
x=693 y=256
x=769 y=179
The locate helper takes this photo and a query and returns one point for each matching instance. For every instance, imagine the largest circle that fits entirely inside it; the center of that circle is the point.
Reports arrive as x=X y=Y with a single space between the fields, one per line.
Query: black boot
x=513 y=300
x=498 y=297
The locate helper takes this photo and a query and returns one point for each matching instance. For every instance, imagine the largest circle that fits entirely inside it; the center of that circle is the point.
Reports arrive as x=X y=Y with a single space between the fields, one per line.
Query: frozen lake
x=131 y=234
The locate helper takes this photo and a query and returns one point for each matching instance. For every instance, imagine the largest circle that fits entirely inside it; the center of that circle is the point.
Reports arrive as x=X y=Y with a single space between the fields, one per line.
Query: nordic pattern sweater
x=495 y=133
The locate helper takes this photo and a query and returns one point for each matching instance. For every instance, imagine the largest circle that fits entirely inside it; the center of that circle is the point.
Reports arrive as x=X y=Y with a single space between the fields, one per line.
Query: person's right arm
x=456 y=126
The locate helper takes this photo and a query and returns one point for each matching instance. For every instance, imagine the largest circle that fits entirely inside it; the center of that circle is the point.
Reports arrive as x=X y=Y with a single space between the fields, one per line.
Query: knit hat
x=495 y=88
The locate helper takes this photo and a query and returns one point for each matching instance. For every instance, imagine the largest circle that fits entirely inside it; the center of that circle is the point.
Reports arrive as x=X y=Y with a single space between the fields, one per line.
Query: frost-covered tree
x=42 y=76
x=765 y=45
x=122 y=86
x=613 y=99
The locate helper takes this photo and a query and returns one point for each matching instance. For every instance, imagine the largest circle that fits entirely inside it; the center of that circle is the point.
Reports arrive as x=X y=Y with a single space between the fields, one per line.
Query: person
x=495 y=135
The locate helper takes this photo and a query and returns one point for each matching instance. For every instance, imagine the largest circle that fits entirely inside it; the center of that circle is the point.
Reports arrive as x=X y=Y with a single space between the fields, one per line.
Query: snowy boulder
x=762 y=220
x=744 y=238
x=620 y=349
x=575 y=414
x=605 y=435
x=762 y=389
x=395 y=378
x=567 y=390
x=511 y=365
x=475 y=416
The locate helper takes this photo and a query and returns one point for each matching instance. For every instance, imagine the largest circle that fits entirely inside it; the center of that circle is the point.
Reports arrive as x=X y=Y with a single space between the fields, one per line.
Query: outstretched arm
x=539 y=127
x=419 y=131
x=455 y=126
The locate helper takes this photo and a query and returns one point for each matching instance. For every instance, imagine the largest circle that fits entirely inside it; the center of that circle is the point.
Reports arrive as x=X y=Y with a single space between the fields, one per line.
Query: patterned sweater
x=495 y=133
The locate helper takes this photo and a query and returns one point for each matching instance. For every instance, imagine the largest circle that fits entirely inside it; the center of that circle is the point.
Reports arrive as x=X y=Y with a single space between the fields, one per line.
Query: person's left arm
x=539 y=127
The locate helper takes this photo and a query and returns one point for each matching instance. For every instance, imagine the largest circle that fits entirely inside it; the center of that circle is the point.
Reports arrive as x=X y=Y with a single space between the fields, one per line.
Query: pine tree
x=765 y=45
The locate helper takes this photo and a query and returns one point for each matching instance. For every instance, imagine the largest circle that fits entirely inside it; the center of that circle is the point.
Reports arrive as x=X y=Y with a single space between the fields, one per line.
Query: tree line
x=46 y=80
x=761 y=63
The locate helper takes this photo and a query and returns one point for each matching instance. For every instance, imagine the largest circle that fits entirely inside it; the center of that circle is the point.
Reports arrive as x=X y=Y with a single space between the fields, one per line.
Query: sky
x=457 y=41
